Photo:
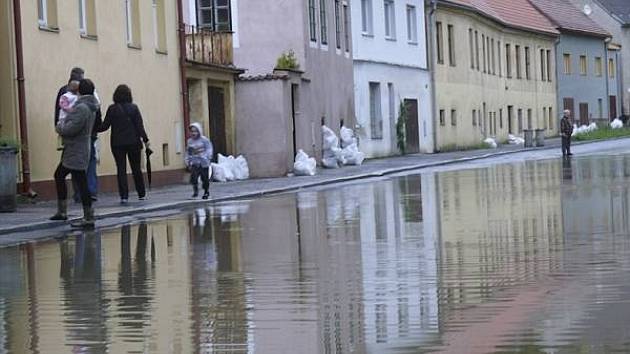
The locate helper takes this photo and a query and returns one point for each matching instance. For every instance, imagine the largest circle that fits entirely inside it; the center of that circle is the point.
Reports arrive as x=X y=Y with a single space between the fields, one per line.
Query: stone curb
x=270 y=191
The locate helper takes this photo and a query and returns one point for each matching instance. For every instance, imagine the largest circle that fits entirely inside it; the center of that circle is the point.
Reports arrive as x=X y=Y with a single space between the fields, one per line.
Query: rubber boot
x=88 y=219
x=62 y=211
x=206 y=194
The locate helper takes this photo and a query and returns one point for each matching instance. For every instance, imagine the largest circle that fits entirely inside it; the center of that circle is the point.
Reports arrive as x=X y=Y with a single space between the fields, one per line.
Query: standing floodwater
x=522 y=257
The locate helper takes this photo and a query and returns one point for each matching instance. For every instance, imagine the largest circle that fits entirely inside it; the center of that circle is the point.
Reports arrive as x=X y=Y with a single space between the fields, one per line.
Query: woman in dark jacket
x=127 y=137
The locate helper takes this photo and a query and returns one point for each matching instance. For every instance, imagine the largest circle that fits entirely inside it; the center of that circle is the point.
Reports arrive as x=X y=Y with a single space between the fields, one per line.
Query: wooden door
x=570 y=105
x=412 y=131
x=510 y=119
x=584 y=114
x=295 y=91
x=613 y=107
x=216 y=105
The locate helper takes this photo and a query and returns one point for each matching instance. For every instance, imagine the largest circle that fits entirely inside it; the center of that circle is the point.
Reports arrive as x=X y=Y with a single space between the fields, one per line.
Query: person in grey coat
x=76 y=132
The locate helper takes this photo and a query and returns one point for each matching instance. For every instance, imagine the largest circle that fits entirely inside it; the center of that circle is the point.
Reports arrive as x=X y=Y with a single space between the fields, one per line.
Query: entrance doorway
x=295 y=109
x=411 y=126
x=584 y=114
x=510 y=119
x=613 y=107
x=216 y=109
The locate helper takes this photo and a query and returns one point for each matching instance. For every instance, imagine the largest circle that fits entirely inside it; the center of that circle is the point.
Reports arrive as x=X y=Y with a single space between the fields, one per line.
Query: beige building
x=132 y=42
x=494 y=71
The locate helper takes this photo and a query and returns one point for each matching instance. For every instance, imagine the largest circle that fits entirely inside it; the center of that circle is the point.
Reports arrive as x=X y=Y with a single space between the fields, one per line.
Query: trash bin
x=528 y=134
x=8 y=179
x=540 y=137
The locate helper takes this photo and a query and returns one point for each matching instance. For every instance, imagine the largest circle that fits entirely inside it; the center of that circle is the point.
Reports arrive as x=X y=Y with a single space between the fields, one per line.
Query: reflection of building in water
x=499 y=225
x=596 y=196
x=398 y=259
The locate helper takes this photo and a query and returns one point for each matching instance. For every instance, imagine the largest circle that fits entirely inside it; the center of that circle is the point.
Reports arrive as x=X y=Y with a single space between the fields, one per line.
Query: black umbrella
x=148 y=152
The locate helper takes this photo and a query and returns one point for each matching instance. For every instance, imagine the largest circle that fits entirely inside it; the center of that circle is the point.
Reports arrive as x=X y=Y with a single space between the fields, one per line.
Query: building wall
x=621 y=36
x=108 y=61
x=587 y=88
x=400 y=62
x=326 y=86
x=464 y=89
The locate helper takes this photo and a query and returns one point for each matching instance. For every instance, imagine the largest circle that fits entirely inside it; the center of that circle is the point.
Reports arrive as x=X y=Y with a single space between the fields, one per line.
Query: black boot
x=205 y=194
x=62 y=211
x=88 y=219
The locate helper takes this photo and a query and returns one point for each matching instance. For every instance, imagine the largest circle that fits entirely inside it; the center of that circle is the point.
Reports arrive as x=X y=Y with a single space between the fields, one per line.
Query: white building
x=390 y=71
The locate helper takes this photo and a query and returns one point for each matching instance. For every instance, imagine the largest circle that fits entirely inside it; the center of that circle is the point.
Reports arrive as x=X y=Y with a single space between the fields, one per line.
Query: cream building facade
x=493 y=78
x=129 y=42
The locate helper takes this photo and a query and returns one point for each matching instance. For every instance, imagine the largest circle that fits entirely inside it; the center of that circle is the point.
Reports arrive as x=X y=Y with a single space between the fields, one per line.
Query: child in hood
x=199 y=152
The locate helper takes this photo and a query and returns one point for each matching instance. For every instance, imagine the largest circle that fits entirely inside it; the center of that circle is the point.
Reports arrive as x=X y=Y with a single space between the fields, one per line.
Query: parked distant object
x=287 y=61
x=616 y=124
x=304 y=165
x=491 y=143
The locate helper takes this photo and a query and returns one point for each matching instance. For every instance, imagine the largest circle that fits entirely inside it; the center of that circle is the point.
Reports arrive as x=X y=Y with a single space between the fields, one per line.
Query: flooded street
x=521 y=257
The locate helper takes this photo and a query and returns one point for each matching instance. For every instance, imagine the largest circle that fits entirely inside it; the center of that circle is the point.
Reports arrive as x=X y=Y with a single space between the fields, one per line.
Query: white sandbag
x=616 y=124
x=491 y=143
x=515 y=140
x=332 y=154
x=347 y=137
x=329 y=138
x=241 y=168
x=352 y=156
x=304 y=165
x=218 y=172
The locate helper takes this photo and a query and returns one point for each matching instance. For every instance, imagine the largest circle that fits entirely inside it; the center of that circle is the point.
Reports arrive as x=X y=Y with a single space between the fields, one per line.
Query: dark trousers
x=92 y=179
x=566 y=145
x=204 y=173
x=133 y=154
x=81 y=179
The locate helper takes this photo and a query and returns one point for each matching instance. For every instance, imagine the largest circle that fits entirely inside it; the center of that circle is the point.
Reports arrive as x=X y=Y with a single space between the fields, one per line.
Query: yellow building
x=494 y=71
x=129 y=42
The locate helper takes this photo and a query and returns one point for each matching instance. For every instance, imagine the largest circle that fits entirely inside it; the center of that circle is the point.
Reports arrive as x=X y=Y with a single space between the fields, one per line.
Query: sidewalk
x=31 y=217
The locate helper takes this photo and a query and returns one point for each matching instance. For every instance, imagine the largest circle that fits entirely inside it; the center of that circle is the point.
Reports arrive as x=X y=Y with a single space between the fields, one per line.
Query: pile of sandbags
x=616 y=124
x=584 y=129
x=304 y=165
x=230 y=169
x=350 y=148
x=332 y=154
x=491 y=143
x=515 y=140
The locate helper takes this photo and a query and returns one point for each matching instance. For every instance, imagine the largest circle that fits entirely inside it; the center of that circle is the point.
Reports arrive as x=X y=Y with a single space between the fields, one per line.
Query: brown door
x=216 y=103
x=570 y=105
x=411 y=127
x=613 y=107
x=584 y=114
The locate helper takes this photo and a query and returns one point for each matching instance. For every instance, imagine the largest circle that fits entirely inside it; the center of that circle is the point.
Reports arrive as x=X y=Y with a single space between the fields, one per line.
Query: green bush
x=453 y=147
x=288 y=61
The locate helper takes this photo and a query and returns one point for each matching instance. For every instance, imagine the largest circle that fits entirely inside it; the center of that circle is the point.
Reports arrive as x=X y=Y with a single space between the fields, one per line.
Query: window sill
x=338 y=51
x=46 y=28
x=162 y=52
x=412 y=43
x=391 y=39
x=367 y=34
x=134 y=46
x=324 y=47
x=313 y=44
x=89 y=37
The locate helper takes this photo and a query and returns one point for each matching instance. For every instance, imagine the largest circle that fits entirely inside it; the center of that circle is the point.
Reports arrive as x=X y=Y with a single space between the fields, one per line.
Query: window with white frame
x=214 y=15
x=346 y=26
x=412 y=24
x=390 y=19
x=312 y=20
x=87 y=17
x=159 y=24
x=82 y=17
x=323 y=22
x=376 y=117
x=47 y=13
x=366 y=17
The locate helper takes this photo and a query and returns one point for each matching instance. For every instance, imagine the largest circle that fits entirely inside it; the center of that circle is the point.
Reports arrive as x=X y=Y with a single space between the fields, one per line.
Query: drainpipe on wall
x=19 y=58
x=557 y=72
x=432 y=65
x=607 y=97
x=181 y=28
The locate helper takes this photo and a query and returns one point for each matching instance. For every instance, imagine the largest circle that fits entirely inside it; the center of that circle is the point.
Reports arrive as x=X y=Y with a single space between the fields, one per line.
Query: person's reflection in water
x=567 y=169
x=134 y=282
x=81 y=280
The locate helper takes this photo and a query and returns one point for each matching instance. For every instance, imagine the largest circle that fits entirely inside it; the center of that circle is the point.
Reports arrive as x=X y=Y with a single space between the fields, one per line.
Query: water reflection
x=529 y=256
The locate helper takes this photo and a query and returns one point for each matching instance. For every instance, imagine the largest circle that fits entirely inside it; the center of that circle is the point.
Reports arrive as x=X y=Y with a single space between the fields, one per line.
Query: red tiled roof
x=567 y=17
x=513 y=13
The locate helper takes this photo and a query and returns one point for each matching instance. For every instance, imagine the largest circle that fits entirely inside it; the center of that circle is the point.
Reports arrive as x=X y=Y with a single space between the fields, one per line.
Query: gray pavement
x=15 y=227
